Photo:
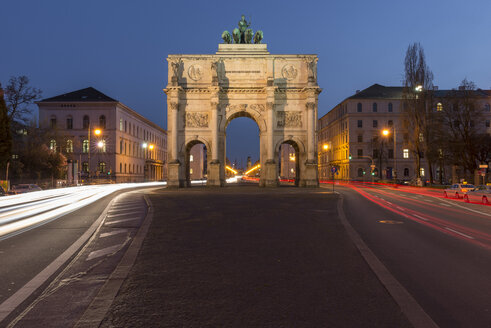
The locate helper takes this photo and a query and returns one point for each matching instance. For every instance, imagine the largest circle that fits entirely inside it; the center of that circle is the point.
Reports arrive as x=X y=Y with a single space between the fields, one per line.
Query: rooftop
x=88 y=94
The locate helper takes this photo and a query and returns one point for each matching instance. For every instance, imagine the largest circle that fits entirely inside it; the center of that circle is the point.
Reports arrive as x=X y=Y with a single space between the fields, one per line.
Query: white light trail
x=23 y=212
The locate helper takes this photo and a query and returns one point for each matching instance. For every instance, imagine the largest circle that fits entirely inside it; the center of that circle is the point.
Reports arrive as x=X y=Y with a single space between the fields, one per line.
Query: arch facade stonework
x=279 y=92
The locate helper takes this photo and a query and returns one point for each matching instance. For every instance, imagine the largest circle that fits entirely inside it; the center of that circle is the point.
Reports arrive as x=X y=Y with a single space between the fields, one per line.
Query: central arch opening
x=196 y=163
x=242 y=146
x=289 y=163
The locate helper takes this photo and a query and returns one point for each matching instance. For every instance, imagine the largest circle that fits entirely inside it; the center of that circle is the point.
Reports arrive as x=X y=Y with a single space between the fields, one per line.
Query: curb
x=96 y=312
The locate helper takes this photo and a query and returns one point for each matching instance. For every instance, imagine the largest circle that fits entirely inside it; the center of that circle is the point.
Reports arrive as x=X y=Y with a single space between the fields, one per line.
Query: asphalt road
x=250 y=257
x=439 y=249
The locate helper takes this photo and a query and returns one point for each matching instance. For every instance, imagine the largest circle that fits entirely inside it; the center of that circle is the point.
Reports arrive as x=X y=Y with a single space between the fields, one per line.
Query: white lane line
x=128 y=206
x=103 y=252
x=122 y=214
x=400 y=208
x=112 y=233
x=120 y=221
x=130 y=209
x=420 y=217
x=429 y=201
x=388 y=202
x=460 y=233
x=469 y=209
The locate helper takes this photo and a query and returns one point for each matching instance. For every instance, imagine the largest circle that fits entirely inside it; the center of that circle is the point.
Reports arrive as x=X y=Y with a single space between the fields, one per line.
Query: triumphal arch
x=206 y=92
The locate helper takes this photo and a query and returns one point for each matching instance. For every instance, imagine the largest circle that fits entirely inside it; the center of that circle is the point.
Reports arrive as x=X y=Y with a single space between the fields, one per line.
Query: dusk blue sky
x=119 y=47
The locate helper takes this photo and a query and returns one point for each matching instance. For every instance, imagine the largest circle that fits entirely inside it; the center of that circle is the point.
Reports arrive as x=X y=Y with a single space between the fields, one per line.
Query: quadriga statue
x=242 y=34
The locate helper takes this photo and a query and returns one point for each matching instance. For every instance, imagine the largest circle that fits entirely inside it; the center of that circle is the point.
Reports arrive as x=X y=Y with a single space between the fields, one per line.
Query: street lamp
x=385 y=133
x=97 y=132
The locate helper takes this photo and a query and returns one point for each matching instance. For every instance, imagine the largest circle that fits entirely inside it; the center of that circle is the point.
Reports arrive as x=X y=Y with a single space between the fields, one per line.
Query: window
x=421 y=137
x=375 y=123
x=360 y=138
x=390 y=108
x=102 y=167
x=191 y=171
x=422 y=172
x=102 y=122
x=360 y=172
x=120 y=124
x=85 y=167
x=487 y=123
x=69 y=123
x=390 y=123
x=360 y=153
x=375 y=153
x=69 y=146
x=391 y=153
x=85 y=146
x=121 y=146
x=101 y=144
x=125 y=126
x=120 y=167
x=487 y=108
x=472 y=124
x=374 y=107
x=86 y=122
x=406 y=172
x=52 y=145
x=124 y=167
x=360 y=123
x=191 y=158
x=52 y=122
x=439 y=107
x=405 y=153
x=359 y=108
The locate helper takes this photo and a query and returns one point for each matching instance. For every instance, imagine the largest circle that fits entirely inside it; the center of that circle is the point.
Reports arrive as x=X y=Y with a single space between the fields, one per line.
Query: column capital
x=310 y=105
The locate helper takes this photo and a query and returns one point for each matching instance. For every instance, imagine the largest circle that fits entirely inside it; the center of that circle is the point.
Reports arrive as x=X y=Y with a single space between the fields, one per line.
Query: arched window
x=86 y=122
x=120 y=167
x=85 y=146
x=406 y=172
x=374 y=107
x=359 y=108
x=101 y=144
x=360 y=172
x=85 y=167
x=69 y=146
x=439 y=107
x=52 y=145
x=121 y=146
x=69 y=122
x=390 y=108
x=52 y=122
x=487 y=108
x=120 y=124
x=102 y=122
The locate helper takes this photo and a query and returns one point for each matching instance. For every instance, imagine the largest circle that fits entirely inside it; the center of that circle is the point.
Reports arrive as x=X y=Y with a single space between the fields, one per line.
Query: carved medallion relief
x=195 y=72
x=289 y=119
x=196 y=120
x=289 y=72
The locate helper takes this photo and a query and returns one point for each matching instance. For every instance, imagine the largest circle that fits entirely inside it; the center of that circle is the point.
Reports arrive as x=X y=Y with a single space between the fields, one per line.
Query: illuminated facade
x=106 y=139
x=354 y=128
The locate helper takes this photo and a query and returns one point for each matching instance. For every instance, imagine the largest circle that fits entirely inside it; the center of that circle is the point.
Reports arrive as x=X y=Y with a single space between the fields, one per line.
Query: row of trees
x=24 y=154
x=445 y=128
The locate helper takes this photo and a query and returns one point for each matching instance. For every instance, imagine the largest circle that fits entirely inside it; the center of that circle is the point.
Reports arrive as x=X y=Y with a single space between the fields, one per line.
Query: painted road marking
x=103 y=252
x=420 y=217
x=400 y=208
x=122 y=214
x=460 y=233
x=112 y=233
x=469 y=209
x=120 y=221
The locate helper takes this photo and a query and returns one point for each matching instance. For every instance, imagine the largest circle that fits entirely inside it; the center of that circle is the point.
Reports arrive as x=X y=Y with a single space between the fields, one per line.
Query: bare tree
x=19 y=97
x=461 y=114
x=417 y=99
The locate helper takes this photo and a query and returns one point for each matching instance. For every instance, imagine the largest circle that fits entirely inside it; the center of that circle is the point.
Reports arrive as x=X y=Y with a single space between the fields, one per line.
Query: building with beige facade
x=104 y=139
x=350 y=137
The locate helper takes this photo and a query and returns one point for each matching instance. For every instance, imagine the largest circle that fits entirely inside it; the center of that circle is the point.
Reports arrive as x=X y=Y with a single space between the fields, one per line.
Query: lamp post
x=97 y=132
x=386 y=132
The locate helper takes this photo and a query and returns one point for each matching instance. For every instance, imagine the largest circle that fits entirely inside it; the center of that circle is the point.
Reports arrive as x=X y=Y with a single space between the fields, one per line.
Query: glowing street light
x=100 y=144
x=144 y=145
x=418 y=88
x=326 y=146
x=385 y=132
x=97 y=132
x=151 y=146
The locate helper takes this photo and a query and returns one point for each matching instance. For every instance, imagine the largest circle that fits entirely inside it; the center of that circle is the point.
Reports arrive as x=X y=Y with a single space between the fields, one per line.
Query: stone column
x=174 y=178
x=309 y=178
x=269 y=174
x=216 y=169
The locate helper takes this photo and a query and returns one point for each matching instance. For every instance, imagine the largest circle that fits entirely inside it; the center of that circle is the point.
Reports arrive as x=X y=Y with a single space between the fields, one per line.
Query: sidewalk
x=250 y=257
